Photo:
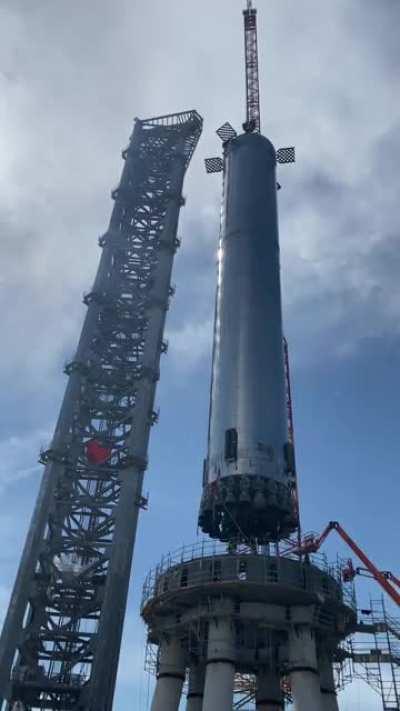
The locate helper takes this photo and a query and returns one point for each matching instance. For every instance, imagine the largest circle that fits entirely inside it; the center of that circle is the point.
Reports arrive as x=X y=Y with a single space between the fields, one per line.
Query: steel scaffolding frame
x=61 y=638
x=377 y=660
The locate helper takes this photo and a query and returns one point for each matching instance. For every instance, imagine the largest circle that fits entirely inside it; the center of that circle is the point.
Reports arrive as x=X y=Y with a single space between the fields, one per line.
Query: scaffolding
x=375 y=653
x=372 y=655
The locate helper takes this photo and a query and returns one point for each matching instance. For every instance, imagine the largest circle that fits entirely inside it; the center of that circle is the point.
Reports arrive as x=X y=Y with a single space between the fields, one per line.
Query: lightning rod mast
x=252 y=73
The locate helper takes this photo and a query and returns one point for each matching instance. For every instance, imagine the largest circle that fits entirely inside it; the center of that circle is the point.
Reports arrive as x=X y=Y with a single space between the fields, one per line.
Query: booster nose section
x=248 y=478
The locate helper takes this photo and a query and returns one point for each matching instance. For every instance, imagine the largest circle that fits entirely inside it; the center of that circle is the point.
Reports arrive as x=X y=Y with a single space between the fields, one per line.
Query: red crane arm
x=377 y=574
x=312 y=545
x=389 y=576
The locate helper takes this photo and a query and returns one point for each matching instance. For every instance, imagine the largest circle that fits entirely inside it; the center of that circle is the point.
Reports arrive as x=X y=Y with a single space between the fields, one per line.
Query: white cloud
x=66 y=113
x=18 y=456
x=190 y=343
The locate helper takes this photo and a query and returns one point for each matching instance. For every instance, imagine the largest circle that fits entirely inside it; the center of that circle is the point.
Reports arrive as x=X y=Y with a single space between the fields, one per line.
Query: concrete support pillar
x=304 y=675
x=269 y=694
x=329 y=700
x=170 y=677
x=220 y=673
x=196 y=688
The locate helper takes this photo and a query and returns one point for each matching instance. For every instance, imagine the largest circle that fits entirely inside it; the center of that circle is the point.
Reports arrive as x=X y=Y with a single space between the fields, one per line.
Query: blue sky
x=71 y=81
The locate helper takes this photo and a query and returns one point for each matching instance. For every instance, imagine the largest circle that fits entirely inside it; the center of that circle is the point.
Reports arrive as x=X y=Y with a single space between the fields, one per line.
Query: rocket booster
x=249 y=471
x=249 y=476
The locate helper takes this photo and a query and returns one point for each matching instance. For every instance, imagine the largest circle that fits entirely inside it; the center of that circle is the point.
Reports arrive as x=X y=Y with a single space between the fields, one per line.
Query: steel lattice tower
x=61 y=638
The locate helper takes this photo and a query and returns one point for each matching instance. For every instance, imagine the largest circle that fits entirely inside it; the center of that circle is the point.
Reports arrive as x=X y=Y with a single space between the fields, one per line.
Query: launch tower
x=61 y=639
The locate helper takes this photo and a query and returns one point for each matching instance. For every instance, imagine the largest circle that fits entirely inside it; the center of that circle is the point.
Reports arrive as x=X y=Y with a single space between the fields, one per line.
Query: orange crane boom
x=386 y=579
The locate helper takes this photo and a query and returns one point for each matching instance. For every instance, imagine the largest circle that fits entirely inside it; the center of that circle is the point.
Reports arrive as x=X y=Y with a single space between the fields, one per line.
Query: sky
x=73 y=75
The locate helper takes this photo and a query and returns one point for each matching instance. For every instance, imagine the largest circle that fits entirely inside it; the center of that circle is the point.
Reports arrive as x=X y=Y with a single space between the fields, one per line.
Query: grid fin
x=286 y=155
x=214 y=165
x=226 y=132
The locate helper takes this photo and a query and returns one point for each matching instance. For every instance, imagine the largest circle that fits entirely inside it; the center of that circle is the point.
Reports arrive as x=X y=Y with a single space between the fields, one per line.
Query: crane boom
x=252 y=74
x=311 y=544
x=393 y=579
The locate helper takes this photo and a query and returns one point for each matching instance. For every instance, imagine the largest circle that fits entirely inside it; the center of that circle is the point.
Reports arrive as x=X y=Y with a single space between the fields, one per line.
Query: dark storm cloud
x=72 y=79
x=347 y=280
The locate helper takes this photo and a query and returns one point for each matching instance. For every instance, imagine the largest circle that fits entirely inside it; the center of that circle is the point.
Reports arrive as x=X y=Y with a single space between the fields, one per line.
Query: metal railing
x=170 y=575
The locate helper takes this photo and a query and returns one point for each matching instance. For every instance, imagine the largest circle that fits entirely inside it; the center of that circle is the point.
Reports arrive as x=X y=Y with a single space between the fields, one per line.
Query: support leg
x=218 y=690
x=196 y=688
x=170 y=678
x=329 y=700
x=304 y=675
x=269 y=695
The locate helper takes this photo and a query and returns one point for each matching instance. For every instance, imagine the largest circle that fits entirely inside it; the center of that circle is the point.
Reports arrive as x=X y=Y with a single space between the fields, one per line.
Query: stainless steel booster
x=249 y=472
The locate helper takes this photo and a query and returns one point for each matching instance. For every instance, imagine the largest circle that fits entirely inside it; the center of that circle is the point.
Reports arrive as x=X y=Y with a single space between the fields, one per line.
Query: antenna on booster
x=226 y=132
x=252 y=77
